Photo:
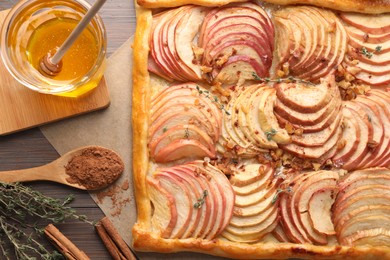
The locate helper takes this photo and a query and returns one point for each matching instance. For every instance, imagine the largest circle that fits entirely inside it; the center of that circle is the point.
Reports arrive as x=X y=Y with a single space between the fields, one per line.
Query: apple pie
x=261 y=129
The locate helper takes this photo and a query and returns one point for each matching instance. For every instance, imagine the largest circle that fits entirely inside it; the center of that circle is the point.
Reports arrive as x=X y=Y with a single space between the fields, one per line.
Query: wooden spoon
x=56 y=170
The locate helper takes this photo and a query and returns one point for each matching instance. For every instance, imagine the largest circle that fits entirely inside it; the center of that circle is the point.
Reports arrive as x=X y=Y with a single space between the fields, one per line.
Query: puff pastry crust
x=361 y=6
x=143 y=238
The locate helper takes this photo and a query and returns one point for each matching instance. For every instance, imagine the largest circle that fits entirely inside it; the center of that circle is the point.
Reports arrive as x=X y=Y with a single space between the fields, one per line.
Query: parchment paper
x=111 y=128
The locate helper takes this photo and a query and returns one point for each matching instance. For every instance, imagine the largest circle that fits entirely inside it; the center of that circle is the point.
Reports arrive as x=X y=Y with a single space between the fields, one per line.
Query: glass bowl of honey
x=34 y=28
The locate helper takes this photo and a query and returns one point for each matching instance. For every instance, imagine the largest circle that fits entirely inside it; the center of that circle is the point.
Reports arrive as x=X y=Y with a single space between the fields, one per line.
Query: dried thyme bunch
x=21 y=211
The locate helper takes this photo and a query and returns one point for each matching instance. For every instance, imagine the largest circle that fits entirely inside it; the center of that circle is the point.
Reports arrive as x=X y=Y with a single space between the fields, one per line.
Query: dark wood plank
x=30 y=148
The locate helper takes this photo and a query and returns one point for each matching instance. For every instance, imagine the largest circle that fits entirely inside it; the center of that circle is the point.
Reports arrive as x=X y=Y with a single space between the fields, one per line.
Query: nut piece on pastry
x=255 y=211
x=238 y=41
x=310 y=42
x=185 y=123
x=190 y=200
x=362 y=208
x=368 y=58
x=307 y=196
x=171 y=43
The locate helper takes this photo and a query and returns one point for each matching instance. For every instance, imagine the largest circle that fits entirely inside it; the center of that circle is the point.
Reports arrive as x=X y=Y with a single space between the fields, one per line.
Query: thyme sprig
x=213 y=98
x=280 y=80
x=270 y=134
x=24 y=245
x=23 y=212
x=275 y=198
x=201 y=200
x=369 y=54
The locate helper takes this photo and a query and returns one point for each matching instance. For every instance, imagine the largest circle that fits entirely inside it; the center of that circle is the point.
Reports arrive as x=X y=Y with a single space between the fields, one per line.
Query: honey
x=49 y=36
x=33 y=29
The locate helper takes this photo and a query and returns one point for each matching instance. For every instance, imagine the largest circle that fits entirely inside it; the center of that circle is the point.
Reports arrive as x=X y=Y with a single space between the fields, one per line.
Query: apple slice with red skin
x=156 y=48
x=308 y=118
x=372 y=24
x=210 y=202
x=238 y=222
x=259 y=207
x=318 y=138
x=165 y=214
x=313 y=128
x=196 y=188
x=360 y=191
x=237 y=31
x=373 y=113
x=323 y=48
x=167 y=41
x=372 y=237
x=305 y=98
x=253 y=233
x=321 y=202
x=303 y=191
x=239 y=67
x=241 y=9
x=366 y=135
x=365 y=210
x=183 y=201
x=344 y=205
x=256 y=185
x=359 y=224
x=170 y=115
x=280 y=235
x=383 y=102
x=309 y=30
x=371 y=47
x=176 y=133
x=227 y=200
x=366 y=37
x=341 y=41
x=249 y=174
x=351 y=135
x=290 y=230
x=314 y=152
x=289 y=220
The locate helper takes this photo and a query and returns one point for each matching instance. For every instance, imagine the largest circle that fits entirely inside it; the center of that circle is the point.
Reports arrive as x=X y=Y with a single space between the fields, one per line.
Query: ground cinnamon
x=94 y=168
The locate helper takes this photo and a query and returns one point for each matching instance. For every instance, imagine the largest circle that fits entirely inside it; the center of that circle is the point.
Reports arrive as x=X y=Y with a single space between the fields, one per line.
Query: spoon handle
x=76 y=32
x=27 y=175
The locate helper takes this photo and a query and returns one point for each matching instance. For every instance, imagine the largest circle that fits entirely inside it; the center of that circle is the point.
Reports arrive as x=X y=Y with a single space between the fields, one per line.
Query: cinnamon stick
x=114 y=243
x=63 y=244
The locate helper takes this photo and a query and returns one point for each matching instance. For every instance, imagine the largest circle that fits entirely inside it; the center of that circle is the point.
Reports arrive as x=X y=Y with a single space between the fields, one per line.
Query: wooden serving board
x=22 y=108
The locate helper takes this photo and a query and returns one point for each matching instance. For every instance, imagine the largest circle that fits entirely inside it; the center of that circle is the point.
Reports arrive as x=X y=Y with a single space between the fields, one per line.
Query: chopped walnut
x=286 y=68
x=206 y=69
x=198 y=52
x=341 y=144
x=280 y=74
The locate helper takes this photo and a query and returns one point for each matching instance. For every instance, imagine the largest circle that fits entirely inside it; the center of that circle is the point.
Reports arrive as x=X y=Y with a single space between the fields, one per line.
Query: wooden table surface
x=30 y=148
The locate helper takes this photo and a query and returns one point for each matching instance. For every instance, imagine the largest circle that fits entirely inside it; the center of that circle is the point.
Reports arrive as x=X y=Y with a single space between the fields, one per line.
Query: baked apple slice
x=316 y=41
x=205 y=216
x=237 y=40
x=362 y=206
x=171 y=41
x=255 y=211
x=185 y=123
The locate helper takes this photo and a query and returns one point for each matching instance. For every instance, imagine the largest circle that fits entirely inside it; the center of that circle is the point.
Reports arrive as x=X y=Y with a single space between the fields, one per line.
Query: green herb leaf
x=201 y=200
